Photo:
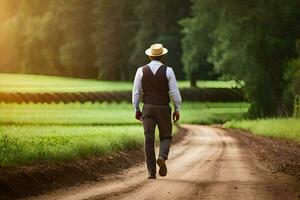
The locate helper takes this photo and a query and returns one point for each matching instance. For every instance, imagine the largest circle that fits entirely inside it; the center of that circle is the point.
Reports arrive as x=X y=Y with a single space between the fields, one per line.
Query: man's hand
x=138 y=115
x=176 y=116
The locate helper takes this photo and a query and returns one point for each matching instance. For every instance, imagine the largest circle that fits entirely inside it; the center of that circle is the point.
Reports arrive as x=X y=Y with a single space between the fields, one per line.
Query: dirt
x=276 y=154
x=16 y=182
x=208 y=163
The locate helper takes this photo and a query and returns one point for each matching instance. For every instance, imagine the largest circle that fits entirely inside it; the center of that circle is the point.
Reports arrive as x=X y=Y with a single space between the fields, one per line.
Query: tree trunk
x=193 y=83
x=99 y=74
x=193 y=80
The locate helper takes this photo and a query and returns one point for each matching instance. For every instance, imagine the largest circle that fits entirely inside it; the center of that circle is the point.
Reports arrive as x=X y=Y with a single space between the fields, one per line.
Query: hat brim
x=148 y=52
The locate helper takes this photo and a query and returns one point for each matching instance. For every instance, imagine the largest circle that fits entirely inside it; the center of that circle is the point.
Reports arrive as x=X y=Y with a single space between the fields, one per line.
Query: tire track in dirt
x=207 y=164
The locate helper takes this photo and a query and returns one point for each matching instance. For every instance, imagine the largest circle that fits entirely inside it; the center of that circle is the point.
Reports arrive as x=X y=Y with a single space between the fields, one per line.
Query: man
x=157 y=83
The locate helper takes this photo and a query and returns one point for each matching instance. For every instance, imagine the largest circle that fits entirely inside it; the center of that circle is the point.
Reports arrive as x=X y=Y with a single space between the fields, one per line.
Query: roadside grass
x=212 y=113
x=25 y=145
x=21 y=145
x=111 y=113
x=288 y=129
x=42 y=83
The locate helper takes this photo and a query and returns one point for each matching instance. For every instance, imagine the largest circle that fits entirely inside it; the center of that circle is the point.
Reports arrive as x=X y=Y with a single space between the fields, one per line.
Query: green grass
x=275 y=128
x=27 y=144
x=41 y=83
x=212 y=113
x=68 y=114
x=32 y=133
x=111 y=113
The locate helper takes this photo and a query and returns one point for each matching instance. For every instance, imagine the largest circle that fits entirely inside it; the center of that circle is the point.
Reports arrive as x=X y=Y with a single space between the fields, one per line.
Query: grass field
x=212 y=113
x=27 y=144
x=275 y=128
x=50 y=132
x=40 y=83
x=110 y=113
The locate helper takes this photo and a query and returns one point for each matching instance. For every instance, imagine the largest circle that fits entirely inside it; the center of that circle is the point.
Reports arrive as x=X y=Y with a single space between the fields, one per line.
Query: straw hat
x=156 y=50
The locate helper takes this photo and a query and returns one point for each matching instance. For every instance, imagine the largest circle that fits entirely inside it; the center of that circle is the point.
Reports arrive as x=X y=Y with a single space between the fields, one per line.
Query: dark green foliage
x=158 y=23
x=292 y=78
x=77 y=52
x=198 y=42
x=293 y=73
x=92 y=38
x=114 y=31
x=31 y=34
x=251 y=41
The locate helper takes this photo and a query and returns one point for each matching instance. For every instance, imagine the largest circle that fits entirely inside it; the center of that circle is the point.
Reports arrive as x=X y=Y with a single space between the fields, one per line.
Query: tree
x=197 y=41
x=158 y=22
x=30 y=35
x=114 y=30
x=259 y=38
x=252 y=41
x=40 y=37
x=76 y=38
x=77 y=52
x=292 y=75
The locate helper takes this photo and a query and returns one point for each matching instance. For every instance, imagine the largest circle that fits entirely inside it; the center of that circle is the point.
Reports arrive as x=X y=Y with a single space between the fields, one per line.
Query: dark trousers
x=159 y=115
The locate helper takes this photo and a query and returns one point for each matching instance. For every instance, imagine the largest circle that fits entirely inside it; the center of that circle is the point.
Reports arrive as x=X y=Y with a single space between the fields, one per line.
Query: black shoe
x=162 y=166
x=151 y=177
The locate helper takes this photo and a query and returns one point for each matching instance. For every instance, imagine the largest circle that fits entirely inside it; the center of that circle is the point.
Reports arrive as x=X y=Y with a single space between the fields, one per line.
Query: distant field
x=40 y=83
x=275 y=128
x=111 y=113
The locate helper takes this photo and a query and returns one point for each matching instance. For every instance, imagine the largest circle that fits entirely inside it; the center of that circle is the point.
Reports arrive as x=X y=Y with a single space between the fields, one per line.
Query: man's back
x=155 y=86
x=173 y=91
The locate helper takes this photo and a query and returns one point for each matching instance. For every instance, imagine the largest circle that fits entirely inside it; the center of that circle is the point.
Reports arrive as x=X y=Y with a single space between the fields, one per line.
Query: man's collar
x=156 y=61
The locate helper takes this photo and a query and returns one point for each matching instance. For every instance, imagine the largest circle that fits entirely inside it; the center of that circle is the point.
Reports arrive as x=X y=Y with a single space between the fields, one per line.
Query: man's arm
x=136 y=92
x=174 y=93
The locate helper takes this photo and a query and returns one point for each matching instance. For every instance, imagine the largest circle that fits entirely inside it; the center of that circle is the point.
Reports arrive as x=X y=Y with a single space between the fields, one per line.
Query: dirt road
x=207 y=164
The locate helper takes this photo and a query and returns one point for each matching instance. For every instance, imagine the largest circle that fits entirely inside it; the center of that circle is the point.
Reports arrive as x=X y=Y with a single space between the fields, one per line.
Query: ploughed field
x=46 y=89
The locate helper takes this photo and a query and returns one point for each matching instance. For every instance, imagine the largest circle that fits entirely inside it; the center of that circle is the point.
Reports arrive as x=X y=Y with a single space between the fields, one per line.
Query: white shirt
x=173 y=88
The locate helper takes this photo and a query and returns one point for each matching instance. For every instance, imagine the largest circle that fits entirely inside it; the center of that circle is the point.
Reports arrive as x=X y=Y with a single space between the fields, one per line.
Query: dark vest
x=155 y=87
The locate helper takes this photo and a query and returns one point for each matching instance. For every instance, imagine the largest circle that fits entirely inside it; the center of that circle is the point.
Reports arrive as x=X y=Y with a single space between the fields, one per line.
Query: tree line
x=254 y=41
x=103 y=39
x=250 y=41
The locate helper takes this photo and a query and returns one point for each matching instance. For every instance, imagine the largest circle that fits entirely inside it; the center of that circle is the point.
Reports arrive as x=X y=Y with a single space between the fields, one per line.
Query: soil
x=276 y=154
x=208 y=163
x=16 y=182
